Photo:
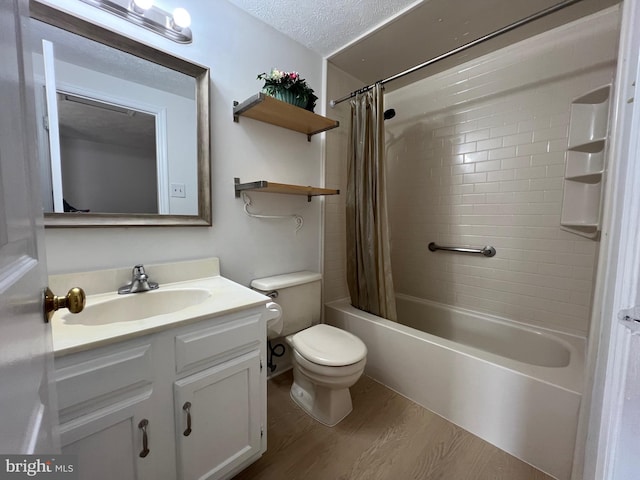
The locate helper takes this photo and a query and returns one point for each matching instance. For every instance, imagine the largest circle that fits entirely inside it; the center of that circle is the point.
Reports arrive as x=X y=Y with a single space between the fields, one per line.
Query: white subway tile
x=551 y=158
x=532 y=172
x=515 y=162
x=465 y=127
x=517 y=139
x=474 y=136
x=457 y=140
x=528 y=197
x=559 y=145
x=474 y=198
x=501 y=175
x=476 y=157
x=551 y=133
x=489 y=144
x=464 y=168
x=548 y=184
x=490 y=121
x=487 y=166
x=475 y=177
x=453 y=159
x=532 y=148
x=553 y=195
x=504 y=130
x=464 y=148
x=527 y=125
x=461 y=189
x=555 y=171
x=514 y=186
x=491 y=187
x=499 y=197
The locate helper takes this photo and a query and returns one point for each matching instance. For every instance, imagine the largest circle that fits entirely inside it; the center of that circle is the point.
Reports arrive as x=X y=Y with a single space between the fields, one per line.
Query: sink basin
x=137 y=306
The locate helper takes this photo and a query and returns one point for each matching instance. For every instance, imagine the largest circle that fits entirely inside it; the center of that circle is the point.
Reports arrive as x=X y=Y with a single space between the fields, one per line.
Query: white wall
x=476 y=156
x=236 y=47
x=108 y=178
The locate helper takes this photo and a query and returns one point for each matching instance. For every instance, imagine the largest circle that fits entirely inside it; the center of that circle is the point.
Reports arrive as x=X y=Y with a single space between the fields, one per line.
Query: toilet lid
x=326 y=345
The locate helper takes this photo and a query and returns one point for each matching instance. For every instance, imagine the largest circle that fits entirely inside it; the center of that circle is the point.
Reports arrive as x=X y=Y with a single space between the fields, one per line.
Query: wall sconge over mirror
x=174 y=26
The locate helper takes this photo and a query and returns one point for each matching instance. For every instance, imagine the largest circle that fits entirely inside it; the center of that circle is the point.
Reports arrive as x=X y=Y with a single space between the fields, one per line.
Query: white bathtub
x=516 y=387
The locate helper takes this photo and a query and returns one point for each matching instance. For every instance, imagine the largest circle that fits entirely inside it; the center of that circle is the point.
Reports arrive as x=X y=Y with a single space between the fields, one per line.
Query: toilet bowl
x=326 y=360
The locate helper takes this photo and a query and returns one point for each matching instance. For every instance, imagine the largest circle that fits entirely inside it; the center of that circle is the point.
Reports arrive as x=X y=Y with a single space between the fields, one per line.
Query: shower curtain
x=368 y=248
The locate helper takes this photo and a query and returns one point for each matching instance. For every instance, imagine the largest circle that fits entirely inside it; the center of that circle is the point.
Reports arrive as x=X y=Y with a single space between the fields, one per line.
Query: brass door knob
x=74 y=300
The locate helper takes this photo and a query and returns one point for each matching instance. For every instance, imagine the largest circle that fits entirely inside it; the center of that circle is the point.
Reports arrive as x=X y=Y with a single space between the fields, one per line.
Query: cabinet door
x=225 y=417
x=109 y=441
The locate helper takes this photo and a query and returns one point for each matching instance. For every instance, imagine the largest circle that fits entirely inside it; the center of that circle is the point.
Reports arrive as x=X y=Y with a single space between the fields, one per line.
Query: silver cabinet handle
x=145 y=441
x=187 y=408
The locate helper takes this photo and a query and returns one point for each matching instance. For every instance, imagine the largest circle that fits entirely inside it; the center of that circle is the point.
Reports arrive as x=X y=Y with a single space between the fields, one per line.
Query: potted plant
x=288 y=87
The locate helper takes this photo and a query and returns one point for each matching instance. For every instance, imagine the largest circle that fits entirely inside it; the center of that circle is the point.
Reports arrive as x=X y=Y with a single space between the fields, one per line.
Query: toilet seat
x=324 y=374
x=328 y=346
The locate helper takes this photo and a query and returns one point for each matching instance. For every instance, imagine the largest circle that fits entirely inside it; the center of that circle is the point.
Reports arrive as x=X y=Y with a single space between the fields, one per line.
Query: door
x=218 y=418
x=118 y=442
x=27 y=401
x=610 y=432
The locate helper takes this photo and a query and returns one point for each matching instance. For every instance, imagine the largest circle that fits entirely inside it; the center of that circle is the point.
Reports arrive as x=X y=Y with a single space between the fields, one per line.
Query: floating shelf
x=271 y=187
x=270 y=110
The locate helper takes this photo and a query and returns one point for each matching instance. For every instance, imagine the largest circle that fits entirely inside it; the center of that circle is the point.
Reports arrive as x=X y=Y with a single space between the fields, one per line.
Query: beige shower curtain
x=368 y=248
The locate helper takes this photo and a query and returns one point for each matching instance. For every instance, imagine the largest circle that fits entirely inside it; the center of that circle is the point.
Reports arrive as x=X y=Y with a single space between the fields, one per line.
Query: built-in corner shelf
x=270 y=110
x=585 y=167
x=271 y=187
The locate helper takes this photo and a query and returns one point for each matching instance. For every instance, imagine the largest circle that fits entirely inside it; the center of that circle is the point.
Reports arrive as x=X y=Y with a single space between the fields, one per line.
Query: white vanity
x=178 y=395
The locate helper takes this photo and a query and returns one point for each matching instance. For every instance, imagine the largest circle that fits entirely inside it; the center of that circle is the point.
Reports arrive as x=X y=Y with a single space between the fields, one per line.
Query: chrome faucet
x=139 y=282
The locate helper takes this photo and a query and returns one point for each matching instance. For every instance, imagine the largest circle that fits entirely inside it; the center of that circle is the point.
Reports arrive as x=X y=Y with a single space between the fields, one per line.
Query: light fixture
x=144 y=14
x=139 y=6
x=181 y=19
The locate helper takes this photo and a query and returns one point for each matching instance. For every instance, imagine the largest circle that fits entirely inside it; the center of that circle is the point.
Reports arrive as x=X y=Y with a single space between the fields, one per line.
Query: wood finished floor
x=386 y=437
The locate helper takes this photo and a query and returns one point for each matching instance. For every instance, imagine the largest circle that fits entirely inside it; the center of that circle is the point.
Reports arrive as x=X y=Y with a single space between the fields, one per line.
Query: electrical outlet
x=178 y=190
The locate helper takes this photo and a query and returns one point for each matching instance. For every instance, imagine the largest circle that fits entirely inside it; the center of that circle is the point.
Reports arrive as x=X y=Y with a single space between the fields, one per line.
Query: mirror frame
x=57 y=18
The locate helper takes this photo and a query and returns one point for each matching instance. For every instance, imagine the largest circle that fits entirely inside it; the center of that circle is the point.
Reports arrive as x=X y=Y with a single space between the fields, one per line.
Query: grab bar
x=487 y=251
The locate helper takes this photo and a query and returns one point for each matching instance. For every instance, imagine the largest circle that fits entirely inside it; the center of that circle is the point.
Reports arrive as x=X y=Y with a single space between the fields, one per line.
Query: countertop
x=225 y=297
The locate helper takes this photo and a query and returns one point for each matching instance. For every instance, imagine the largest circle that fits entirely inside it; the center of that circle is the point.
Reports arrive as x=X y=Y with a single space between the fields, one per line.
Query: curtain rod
x=473 y=43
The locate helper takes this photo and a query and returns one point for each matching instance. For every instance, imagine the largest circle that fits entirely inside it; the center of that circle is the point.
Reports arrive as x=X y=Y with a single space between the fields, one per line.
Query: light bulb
x=140 y=6
x=181 y=19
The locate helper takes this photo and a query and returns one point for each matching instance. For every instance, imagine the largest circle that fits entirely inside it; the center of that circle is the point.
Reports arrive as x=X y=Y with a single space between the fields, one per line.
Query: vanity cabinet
x=119 y=400
x=232 y=436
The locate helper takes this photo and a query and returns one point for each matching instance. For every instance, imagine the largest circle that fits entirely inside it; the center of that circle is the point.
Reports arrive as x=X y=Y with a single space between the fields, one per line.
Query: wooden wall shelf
x=270 y=110
x=271 y=187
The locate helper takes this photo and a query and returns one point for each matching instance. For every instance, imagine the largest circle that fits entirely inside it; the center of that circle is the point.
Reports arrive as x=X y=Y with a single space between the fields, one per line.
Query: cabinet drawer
x=205 y=344
x=89 y=376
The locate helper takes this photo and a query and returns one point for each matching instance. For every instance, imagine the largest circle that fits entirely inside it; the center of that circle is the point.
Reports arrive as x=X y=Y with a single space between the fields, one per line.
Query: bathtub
x=517 y=387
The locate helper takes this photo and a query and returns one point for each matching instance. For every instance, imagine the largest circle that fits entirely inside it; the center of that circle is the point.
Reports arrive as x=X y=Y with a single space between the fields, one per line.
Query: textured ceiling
x=403 y=33
x=324 y=25
x=438 y=26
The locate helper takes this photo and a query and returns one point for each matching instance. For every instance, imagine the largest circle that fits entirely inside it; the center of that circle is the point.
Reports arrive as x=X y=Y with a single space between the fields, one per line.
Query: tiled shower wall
x=481 y=162
x=476 y=157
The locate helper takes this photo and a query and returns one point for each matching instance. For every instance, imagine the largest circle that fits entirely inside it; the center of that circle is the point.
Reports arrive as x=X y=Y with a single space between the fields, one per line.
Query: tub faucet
x=139 y=282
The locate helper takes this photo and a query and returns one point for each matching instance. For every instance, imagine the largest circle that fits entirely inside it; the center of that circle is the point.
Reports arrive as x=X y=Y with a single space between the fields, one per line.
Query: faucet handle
x=138 y=271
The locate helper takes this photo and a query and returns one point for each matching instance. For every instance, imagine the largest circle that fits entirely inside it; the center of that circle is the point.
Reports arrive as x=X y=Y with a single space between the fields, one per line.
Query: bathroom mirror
x=125 y=134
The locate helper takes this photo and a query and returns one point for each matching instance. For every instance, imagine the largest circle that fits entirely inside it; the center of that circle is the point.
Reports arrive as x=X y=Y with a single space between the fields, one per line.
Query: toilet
x=326 y=360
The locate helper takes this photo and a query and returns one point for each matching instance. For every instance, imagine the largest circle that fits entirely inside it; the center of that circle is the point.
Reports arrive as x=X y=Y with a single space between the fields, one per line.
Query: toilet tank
x=299 y=295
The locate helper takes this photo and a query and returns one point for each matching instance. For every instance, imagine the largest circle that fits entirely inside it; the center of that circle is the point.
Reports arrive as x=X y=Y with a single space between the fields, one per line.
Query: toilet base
x=328 y=406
